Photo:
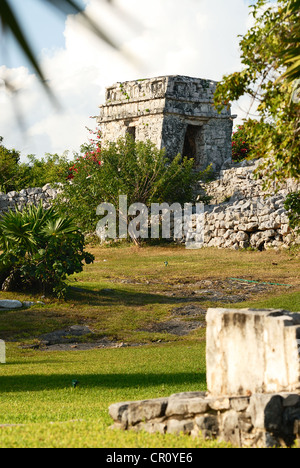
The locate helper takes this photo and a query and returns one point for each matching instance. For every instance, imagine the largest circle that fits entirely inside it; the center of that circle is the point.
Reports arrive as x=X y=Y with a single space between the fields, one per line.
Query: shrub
x=292 y=205
x=40 y=249
x=136 y=169
x=16 y=175
x=37 y=172
x=240 y=145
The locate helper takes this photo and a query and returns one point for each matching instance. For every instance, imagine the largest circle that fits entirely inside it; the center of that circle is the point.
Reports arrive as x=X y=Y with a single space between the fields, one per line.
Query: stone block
x=252 y=351
x=131 y=413
x=177 y=426
x=177 y=406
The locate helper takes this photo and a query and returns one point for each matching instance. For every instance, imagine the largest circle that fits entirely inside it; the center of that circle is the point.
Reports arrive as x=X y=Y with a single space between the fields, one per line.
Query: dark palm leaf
x=291 y=54
x=10 y=23
x=59 y=226
x=15 y=230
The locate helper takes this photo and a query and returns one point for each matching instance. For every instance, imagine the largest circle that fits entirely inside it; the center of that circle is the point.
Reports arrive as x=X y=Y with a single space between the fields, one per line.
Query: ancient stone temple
x=175 y=112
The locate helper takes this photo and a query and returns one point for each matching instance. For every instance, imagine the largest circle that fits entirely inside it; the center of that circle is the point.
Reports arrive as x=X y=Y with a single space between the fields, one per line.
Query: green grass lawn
x=37 y=393
x=124 y=292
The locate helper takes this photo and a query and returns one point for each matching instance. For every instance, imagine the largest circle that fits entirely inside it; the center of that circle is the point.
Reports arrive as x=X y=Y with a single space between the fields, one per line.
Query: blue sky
x=191 y=37
x=43 y=26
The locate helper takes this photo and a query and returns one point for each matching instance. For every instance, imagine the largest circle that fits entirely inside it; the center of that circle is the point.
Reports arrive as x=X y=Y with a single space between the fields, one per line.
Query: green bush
x=136 y=169
x=38 y=172
x=16 y=175
x=292 y=205
x=9 y=160
x=40 y=249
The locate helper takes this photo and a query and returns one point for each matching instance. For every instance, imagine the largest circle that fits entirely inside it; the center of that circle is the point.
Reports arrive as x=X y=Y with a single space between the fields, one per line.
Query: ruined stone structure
x=253 y=380
x=175 y=113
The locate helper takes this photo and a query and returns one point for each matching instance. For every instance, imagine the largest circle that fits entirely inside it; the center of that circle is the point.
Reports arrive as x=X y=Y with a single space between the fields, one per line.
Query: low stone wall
x=29 y=196
x=249 y=217
x=259 y=420
x=243 y=215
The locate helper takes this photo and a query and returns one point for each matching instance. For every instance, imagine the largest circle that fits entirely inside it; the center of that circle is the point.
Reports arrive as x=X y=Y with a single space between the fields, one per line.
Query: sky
x=197 y=38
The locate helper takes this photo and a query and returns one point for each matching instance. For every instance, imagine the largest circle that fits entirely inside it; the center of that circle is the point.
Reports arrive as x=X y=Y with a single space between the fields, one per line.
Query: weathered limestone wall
x=253 y=378
x=29 y=196
x=243 y=215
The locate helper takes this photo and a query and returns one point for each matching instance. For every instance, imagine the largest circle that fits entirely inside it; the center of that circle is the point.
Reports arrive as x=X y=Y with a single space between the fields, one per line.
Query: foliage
x=291 y=53
x=240 y=144
x=292 y=205
x=40 y=249
x=9 y=160
x=276 y=133
x=16 y=175
x=135 y=169
x=37 y=172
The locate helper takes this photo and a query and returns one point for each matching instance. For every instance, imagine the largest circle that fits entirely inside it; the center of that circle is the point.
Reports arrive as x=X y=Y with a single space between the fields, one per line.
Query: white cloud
x=191 y=37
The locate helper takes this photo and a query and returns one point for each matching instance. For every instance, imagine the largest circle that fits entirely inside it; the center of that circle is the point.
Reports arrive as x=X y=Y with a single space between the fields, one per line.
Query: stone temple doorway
x=192 y=143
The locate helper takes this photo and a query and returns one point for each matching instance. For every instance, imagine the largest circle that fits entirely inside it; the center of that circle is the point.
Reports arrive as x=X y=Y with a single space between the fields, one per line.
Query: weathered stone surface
x=30 y=196
x=10 y=304
x=175 y=112
x=260 y=420
x=2 y=352
x=177 y=406
x=131 y=413
x=248 y=209
x=241 y=342
x=252 y=351
x=177 y=426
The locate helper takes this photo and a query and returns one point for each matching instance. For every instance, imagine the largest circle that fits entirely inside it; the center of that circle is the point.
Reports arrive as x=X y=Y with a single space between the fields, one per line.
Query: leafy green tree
x=126 y=167
x=36 y=172
x=9 y=160
x=40 y=248
x=276 y=132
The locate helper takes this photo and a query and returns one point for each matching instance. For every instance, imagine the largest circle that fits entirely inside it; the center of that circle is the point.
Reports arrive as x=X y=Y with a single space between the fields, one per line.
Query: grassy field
x=130 y=296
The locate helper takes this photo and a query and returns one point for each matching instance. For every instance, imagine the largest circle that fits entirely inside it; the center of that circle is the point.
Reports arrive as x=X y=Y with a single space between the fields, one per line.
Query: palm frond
x=15 y=230
x=291 y=54
x=11 y=23
x=59 y=226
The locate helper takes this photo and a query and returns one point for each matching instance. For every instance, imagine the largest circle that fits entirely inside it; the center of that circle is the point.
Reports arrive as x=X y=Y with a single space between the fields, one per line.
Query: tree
x=126 y=167
x=9 y=160
x=50 y=169
x=265 y=55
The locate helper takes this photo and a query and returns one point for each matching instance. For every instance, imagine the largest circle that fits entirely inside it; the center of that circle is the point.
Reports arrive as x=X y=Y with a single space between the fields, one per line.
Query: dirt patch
x=185 y=318
x=226 y=291
x=174 y=327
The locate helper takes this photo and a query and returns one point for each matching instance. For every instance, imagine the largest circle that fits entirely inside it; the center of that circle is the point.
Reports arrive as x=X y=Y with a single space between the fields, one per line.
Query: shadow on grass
x=34 y=383
x=105 y=297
